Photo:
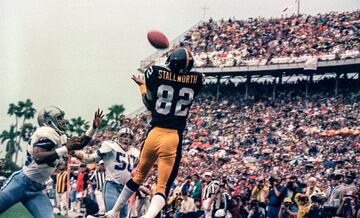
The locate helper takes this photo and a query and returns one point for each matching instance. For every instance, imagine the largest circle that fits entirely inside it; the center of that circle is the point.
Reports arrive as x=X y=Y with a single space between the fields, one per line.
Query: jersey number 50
x=163 y=104
x=122 y=165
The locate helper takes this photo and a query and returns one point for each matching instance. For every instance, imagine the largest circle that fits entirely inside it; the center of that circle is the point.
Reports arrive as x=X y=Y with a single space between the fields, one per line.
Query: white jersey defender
x=120 y=158
x=47 y=147
x=118 y=163
x=47 y=138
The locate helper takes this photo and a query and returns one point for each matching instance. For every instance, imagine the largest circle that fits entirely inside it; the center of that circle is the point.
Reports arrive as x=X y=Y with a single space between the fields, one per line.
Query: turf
x=19 y=211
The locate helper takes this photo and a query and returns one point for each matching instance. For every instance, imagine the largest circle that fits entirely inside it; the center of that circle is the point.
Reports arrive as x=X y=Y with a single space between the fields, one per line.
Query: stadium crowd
x=261 y=41
x=292 y=156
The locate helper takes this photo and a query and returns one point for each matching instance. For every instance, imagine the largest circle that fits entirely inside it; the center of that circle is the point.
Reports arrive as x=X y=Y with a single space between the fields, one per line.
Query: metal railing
x=272 y=67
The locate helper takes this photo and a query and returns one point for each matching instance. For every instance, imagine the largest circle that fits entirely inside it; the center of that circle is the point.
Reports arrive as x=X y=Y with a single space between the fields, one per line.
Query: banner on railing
x=311 y=63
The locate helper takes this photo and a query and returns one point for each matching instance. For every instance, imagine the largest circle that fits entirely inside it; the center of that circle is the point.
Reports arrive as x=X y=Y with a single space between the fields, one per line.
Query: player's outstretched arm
x=139 y=80
x=41 y=154
x=86 y=138
x=86 y=158
x=94 y=157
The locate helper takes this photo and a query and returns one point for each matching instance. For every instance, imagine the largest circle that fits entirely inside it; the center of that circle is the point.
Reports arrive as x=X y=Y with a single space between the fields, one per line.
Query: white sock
x=156 y=205
x=122 y=199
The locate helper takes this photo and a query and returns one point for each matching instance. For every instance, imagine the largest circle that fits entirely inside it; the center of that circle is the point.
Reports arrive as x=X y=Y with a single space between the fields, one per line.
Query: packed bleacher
x=240 y=150
x=261 y=41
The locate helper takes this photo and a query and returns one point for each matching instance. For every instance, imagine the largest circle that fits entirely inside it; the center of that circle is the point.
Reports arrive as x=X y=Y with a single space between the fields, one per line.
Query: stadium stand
x=261 y=41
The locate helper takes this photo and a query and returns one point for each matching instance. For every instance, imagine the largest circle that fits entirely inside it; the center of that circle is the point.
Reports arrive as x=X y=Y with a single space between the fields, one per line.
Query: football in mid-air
x=158 y=39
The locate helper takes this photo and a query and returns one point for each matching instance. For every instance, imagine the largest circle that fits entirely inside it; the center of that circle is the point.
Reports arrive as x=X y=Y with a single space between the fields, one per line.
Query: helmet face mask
x=52 y=117
x=61 y=123
x=180 y=61
x=125 y=138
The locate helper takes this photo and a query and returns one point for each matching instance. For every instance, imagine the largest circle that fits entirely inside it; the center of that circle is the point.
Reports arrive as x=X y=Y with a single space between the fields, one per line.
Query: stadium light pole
x=298 y=8
x=204 y=13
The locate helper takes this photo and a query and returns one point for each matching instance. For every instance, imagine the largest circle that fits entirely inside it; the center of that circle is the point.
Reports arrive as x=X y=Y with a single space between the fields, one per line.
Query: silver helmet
x=52 y=117
x=125 y=137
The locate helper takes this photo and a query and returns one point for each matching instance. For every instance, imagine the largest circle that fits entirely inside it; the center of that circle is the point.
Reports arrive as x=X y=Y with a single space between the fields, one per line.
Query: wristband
x=143 y=89
x=62 y=151
x=90 y=132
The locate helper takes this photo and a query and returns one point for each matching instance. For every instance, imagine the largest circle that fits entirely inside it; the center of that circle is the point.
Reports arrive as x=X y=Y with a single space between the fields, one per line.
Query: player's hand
x=97 y=118
x=74 y=143
x=111 y=214
x=78 y=155
x=138 y=79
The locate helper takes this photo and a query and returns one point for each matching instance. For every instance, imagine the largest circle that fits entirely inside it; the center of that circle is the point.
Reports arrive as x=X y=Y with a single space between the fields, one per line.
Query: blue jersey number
x=28 y=156
x=122 y=165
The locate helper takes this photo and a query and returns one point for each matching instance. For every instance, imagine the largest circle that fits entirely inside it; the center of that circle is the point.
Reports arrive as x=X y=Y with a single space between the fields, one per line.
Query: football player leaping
x=47 y=146
x=119 y=160
x=168 y=94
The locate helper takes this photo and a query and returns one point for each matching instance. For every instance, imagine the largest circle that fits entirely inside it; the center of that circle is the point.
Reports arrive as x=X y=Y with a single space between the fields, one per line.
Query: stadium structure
x=310 y=67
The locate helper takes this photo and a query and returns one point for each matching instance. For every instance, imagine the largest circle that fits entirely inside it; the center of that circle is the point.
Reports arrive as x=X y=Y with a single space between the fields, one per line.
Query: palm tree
x=25 y=133
x=24 y=110
x=27 y=112
x=115 y=111
x=10 y=138
x=77 y=125
x=104 y=123
x=15 y=110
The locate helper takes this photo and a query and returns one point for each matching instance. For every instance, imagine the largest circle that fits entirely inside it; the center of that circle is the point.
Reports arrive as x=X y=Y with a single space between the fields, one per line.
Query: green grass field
x=19 y=211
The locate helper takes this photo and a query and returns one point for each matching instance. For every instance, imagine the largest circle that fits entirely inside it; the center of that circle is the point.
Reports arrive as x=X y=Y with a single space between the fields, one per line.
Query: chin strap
x=125 y=147
x=61 y=132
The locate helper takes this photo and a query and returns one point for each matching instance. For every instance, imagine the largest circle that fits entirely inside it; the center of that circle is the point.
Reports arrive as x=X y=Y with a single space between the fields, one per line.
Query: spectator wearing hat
x=333 y=192
x=286 y=209
x=349 y=185
x=259 y=191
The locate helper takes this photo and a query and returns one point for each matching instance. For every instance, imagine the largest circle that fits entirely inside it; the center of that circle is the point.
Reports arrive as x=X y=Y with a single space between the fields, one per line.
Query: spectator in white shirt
x=187 y=208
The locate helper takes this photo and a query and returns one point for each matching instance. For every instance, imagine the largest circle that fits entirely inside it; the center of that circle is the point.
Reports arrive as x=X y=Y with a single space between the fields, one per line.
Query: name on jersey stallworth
x=189 y=79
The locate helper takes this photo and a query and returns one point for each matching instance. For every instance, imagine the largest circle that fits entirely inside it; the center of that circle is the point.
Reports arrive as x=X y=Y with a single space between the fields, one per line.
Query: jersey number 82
x=165 y=94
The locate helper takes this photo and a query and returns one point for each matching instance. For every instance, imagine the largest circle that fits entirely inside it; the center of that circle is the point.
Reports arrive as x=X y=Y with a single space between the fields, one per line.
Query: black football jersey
x=170 y=95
